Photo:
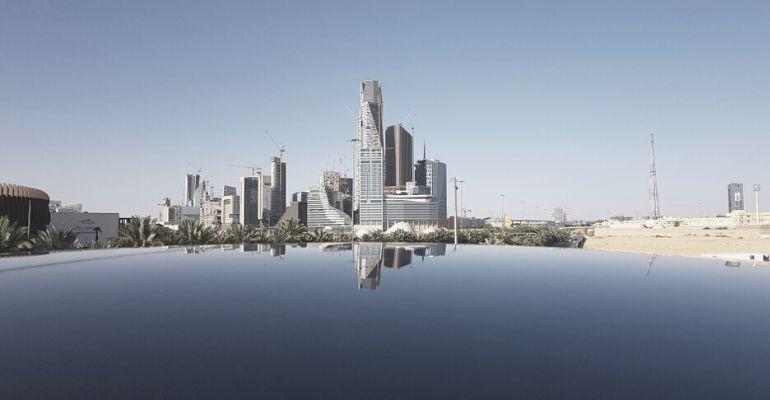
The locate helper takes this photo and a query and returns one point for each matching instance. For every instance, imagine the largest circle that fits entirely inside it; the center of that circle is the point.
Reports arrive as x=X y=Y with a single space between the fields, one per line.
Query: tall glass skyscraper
x=398 y=156
x=252 y=200
x=278 y=192
x=368 y=188
x=435 y=176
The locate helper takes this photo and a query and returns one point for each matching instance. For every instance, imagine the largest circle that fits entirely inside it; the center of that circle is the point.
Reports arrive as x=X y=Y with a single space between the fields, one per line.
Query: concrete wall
x=83 y=225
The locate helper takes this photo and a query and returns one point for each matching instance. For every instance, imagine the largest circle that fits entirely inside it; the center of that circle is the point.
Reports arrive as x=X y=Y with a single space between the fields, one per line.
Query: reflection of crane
x=280 y=146
x=254 y=169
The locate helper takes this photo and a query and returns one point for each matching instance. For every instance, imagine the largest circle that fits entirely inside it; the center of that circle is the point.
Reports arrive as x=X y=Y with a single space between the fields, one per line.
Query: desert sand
x=689 y=241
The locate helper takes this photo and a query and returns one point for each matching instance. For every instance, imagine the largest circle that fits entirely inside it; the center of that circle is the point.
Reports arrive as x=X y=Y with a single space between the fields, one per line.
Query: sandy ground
x=691 y=242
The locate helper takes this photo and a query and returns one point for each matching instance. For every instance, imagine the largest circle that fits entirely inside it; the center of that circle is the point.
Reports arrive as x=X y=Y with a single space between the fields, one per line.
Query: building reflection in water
x=368 y=259
x=371 y=257
x=275 y=250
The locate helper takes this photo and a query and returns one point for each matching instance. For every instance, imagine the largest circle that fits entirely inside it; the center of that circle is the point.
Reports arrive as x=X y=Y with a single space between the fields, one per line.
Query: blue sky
x=548 y=102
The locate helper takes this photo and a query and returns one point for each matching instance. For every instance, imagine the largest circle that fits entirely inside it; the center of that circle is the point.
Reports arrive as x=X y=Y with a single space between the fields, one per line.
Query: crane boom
x=254 y=169
x=281 y=148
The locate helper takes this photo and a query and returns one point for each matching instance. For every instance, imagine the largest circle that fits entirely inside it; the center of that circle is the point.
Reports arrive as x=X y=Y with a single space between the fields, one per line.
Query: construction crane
x=254 y=169
x=194 y=167
x=406 y=117
x=280 y=146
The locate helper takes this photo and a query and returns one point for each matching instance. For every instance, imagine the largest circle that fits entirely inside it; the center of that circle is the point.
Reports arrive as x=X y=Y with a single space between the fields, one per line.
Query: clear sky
x=548 y=102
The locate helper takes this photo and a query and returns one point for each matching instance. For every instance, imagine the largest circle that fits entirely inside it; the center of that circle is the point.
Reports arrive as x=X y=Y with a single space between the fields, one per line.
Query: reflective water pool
x=381 y=321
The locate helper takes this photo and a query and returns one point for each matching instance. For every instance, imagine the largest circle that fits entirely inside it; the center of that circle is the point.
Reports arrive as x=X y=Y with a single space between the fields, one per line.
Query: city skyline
x=566 y=103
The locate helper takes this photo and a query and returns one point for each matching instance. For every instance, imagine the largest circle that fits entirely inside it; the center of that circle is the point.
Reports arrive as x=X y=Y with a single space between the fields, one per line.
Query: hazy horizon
x=549 y=103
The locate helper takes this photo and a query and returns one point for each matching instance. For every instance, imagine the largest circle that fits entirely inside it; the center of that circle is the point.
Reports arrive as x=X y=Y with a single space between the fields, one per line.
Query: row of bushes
x=16 y=238
x=143 y=232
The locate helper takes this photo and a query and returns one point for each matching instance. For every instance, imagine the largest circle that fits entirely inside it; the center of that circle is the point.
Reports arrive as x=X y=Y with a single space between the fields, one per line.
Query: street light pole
x=502 y=213
x=756 y=201
x=454 y=183
x=462 y=206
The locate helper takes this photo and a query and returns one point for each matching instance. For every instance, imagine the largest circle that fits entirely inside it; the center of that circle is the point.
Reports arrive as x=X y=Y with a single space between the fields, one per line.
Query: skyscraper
x=251 y=200
x=320 y=212
x=368 y=188
x=734 y=197
x=435 y=177
x=278 y=193
x=398 y=156
x=228 y=190
x=190 y=186
x=420 y=173
x=371 y=93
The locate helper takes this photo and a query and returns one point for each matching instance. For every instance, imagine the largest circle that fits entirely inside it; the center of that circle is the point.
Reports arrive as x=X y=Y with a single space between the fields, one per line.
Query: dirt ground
x=691 y=242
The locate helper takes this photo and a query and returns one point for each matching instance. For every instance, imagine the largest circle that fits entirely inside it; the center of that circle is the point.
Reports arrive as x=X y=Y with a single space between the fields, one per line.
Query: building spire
x=423 y=148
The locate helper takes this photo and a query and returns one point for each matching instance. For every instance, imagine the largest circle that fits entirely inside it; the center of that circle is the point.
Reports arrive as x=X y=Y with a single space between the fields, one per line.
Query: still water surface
x=381 y=321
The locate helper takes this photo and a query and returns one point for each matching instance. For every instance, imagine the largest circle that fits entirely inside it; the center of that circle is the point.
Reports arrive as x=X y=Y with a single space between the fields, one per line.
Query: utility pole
x=652 y=184
x=462 y=207
x=454 y=183
x=756 y=201
x=502 y=214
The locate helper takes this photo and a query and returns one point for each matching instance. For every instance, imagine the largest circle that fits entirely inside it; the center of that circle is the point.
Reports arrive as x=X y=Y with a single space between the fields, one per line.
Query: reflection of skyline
x=275 y=250
x=368 y=259
x=371 y=257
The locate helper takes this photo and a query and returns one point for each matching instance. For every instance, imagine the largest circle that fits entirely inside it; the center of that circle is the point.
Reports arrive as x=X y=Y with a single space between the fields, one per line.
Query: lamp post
x=462 y=207
x=756 y=200
x=502 y=213
x=454 y=183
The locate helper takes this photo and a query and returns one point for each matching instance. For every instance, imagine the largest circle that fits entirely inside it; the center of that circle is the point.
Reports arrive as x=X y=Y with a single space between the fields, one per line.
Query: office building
x=230 y=205
x=192 y=182
x=228 y=191
x=252 y=201
x=211 y=212
x=297 y=210
x=420 y=211
x=368 y=198
x=278 y=189
x=735 y=197
x=299 y=196
x=321 y=213
x=398 y=156
x=339 y=189
x=436 y=180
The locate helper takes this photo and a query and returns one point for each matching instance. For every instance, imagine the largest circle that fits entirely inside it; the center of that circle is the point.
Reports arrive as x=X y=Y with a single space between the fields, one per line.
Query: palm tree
x=289 y=230
x=96 y=231
x=11 y=235
x=319 y=236
x=399 y=235
x=52 y=238
x=140 y=232
x=193 y=232
x=238 y=234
